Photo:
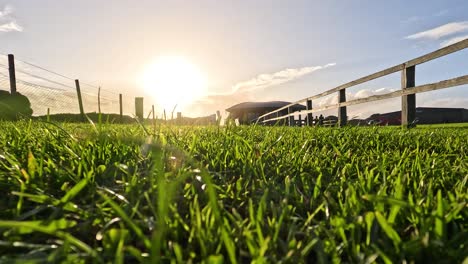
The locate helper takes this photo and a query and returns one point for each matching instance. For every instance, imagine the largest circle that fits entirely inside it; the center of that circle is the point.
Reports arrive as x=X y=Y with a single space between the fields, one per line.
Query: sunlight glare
x=172 y=80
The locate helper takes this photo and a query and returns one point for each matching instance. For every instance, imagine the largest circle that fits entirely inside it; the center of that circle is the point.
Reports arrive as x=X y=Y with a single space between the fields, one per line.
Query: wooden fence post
x=11 y=70
x=342 y=113
x=139 y=107
x=290 y=118
x=80 y=101
x=408 y=102
x=309 y=115
x=121 y=107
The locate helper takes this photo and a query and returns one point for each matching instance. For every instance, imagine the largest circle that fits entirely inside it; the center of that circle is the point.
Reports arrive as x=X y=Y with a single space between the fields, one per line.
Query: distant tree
x=14 y=106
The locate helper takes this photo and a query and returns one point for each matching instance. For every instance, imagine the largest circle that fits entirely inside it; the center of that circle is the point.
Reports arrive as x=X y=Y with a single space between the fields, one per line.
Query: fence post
x=309 y=115
x=154 y=118
x=80 y=101
x=99 y=99
x=139 y=107
x=218 y=117
x=179 y=118
x=121 y=107
x=300 y=119
x=342 y=115
x=11 y=70
x=408 y=102
x=290 y=118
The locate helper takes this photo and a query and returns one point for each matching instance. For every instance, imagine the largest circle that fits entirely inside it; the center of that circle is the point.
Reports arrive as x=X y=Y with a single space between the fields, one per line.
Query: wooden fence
x=407 y=93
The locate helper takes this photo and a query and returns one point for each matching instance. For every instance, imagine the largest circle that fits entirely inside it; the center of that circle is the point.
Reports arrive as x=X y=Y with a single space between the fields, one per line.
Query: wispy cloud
x=453 y=40
x=271 y=79
x=246 y=90
x=352 y=96
x=441 y=31
x=7 y=10
x=12 y=26
x=7 y=22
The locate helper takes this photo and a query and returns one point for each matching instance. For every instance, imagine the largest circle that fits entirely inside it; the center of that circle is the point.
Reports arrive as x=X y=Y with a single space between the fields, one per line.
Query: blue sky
x=248 y=50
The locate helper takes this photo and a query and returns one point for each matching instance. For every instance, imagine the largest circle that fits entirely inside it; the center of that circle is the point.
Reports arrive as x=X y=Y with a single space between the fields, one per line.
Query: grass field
x=124 y=193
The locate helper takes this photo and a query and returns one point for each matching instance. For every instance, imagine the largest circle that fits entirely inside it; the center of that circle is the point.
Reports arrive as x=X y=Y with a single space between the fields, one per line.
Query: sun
x=173 y=80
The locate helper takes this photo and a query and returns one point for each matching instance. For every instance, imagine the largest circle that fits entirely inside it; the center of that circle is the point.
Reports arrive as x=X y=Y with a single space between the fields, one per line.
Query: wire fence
x=50 y=91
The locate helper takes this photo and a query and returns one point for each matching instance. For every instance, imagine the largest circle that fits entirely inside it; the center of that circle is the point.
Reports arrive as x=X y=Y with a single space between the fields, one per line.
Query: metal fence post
x=80 y=101
x=99 y=99
x=342 y=113
x=11 y=70
x=309 y=115
x=121 y=107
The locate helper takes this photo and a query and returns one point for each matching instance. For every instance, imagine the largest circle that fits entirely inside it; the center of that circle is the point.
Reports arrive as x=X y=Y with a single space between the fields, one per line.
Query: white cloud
x=7 y=23
x=333 y=99
x=453 y=40
x=245 y=90
x=441 y=31
x=7 y=10
x=270 y=79
x=11 y=26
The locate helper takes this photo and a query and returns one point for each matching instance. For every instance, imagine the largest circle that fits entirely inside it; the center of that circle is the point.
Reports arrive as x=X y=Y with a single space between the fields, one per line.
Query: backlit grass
x=124 y=193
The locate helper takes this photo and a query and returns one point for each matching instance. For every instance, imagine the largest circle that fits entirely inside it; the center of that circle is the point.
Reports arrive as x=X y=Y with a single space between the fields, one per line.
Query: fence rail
x=407 y=93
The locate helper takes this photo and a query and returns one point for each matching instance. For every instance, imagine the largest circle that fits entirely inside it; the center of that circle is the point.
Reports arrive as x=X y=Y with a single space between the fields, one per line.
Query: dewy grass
x=120 y=193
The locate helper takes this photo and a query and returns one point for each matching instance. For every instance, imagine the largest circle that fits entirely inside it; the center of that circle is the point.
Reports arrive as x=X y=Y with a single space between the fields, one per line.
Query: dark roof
x=257 y=105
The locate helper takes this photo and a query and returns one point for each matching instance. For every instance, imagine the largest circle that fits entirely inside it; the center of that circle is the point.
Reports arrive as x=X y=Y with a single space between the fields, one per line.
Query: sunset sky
x=243 y=50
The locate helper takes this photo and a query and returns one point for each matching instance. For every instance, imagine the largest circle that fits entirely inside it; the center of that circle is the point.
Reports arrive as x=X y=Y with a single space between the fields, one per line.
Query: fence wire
x=49 y=90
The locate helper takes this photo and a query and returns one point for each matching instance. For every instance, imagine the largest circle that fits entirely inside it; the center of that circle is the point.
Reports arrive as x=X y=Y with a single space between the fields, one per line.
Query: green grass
x=124 y=193
x=454 y=125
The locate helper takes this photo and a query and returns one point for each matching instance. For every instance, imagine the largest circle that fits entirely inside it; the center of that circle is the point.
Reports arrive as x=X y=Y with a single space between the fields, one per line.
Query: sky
x=246 y=50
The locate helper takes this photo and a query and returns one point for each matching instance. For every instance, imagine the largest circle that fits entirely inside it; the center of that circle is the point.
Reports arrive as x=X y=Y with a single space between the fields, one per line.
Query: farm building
x=424 y=115
x=248 y=112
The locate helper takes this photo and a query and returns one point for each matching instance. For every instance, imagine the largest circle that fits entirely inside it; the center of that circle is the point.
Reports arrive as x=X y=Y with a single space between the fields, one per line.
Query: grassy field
x=124 y=193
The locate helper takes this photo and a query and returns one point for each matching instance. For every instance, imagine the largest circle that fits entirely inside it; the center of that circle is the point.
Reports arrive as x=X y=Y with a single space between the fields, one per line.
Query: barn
x=248 y=112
